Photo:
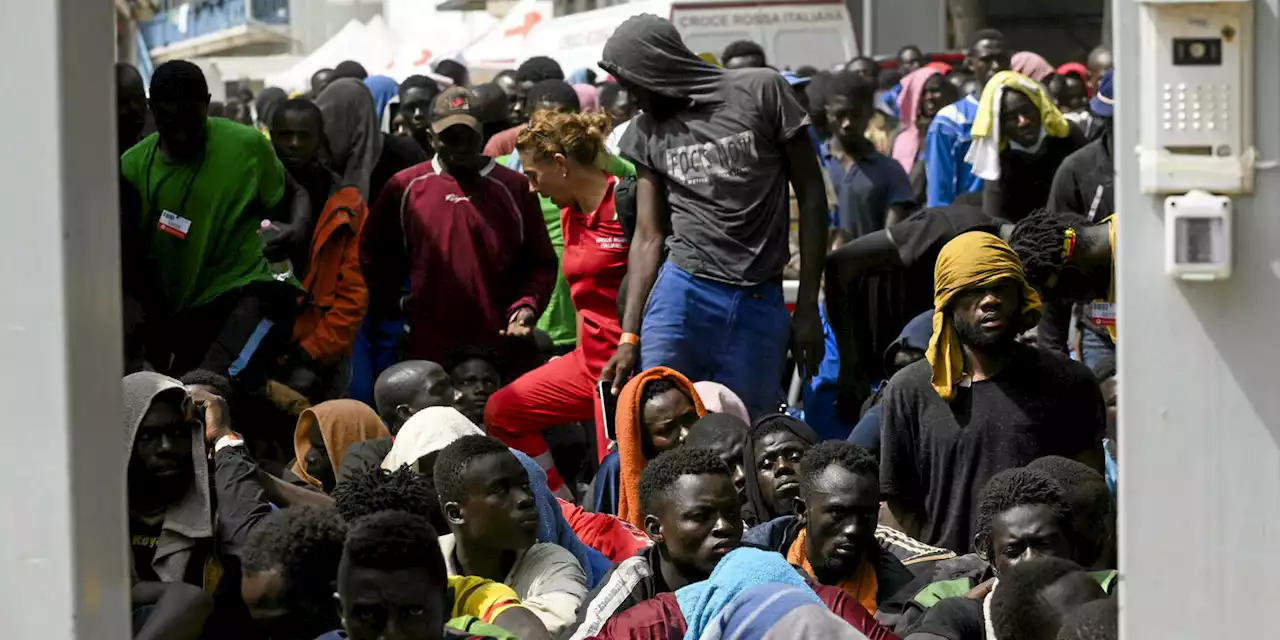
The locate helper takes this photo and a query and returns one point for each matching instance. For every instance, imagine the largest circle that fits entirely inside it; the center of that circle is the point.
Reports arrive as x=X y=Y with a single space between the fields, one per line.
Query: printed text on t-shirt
x=698 y=163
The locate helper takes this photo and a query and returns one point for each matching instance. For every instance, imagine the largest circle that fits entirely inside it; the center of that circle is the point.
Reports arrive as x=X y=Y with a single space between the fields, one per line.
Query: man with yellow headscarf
x=980 y=402
x=1019 y=141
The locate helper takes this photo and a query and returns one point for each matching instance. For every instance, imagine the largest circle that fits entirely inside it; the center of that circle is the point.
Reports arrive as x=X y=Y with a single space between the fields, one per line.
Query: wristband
x=230 y=440
x=629 y=338
x=511 y=318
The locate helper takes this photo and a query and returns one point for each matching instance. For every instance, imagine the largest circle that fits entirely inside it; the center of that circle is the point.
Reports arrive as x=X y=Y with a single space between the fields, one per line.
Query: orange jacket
x=337 y=298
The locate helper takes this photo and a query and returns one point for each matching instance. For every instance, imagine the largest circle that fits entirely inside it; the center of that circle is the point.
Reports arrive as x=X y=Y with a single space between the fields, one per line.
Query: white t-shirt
x=547 y=578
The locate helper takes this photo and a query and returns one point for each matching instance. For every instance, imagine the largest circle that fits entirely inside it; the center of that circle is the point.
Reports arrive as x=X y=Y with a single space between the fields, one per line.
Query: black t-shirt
x=954 y=619
x=936 y=456
x=723 y=167
x=1084 y=183
x=145 y=538
x=1025 y=179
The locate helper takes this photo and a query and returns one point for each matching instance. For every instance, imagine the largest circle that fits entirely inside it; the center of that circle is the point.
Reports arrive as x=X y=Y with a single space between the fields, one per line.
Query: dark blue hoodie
x=915 y=335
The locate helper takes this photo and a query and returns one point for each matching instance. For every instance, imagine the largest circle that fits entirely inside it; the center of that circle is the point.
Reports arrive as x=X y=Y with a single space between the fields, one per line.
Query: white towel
x=984 y=153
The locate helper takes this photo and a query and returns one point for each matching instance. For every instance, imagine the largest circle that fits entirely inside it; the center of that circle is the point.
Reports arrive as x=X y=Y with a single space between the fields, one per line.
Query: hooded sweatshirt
x=351 y=130
x=718 y=156
x=188 y=522
x=915 y=335
x=342 y=423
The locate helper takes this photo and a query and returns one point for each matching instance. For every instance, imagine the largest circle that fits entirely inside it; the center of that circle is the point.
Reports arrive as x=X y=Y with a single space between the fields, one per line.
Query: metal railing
x=178 y=21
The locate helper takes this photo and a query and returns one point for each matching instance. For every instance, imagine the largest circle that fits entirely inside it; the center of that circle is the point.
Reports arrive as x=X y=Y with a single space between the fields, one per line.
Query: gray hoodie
x=722 y=158
x=648 y=51
x=191 y=519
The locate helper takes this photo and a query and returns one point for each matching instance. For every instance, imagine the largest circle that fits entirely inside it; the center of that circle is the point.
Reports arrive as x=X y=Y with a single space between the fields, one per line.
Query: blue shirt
x=945 y=147
x=866 y=190
x=821 y=391
x=889 y=100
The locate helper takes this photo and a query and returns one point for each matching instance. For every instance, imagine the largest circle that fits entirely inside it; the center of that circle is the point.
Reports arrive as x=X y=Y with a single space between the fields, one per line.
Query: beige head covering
x=192 y=517
x=429 y=430
x=342 y=423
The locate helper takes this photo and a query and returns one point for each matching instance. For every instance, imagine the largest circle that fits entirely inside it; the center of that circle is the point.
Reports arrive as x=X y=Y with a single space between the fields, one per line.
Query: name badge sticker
x=174 y=224
x=1102 y=314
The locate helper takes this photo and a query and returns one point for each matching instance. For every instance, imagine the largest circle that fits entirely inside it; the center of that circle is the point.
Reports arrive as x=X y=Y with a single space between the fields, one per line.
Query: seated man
x=401 y=391
x=655 y=411
x=324 y=434
x=189 y=519
x=477 y=376
x=907 y=349
x=695 y=609
x=834 y=537
x=391 y=582
x=725 y=436
x=1021 y=516
x=1093 y=511
x=778 y=442
x=290 y=570
x=475 y=600
x=486 y=498
x=692 y=513
x=1036 y=596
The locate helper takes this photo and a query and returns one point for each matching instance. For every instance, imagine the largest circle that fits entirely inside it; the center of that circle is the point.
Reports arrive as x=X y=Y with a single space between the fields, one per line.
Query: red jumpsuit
x=564 y=390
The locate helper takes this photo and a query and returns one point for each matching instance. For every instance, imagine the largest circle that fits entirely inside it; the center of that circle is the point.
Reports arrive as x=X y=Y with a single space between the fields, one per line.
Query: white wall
x=313 y=22
x=899 y=23
x=62 y=466
x=1200 y=402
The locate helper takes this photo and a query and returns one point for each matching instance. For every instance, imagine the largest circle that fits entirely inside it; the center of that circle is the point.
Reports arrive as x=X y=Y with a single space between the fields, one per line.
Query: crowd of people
x=443 y=359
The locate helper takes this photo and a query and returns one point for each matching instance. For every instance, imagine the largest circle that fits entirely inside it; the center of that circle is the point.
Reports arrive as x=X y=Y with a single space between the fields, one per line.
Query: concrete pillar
x=62 y=466
x=1199 y=411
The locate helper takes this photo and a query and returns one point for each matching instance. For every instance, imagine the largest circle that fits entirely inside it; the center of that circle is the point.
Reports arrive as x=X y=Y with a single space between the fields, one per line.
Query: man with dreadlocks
x=1071 y=261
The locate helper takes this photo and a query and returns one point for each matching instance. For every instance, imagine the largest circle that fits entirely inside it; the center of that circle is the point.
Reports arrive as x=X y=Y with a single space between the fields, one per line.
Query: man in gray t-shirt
x=714 y=151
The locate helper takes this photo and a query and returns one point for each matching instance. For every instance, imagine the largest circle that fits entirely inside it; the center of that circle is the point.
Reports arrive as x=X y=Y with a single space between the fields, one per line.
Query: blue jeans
x=737 y=336
x=376 y=349
x=1095 y=348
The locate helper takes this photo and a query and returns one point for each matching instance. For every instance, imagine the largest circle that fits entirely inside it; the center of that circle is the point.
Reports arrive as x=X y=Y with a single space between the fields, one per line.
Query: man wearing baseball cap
x=467 y=233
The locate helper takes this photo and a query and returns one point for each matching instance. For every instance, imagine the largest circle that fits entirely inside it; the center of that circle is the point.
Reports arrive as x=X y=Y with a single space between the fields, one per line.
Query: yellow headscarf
x=970 y=260
x=1054 y=124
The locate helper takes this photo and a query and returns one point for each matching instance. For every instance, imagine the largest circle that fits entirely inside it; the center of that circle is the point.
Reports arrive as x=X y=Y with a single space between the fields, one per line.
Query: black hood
x=647 y=50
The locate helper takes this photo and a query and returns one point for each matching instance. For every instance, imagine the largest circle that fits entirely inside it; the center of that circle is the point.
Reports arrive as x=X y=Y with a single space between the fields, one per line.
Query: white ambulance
x=817 y=33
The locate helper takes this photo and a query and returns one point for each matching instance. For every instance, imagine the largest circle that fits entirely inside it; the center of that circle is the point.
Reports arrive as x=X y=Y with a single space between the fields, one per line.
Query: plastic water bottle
x=283 y=269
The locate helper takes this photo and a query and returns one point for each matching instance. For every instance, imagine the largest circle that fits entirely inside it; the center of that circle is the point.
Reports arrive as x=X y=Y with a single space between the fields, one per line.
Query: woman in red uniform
x=560 y=153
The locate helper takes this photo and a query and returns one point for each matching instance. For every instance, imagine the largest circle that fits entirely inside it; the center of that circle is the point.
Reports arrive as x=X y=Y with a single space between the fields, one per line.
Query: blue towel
x=384 y=90
x=553 y=528
x=776 y=611
x=742 y=569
